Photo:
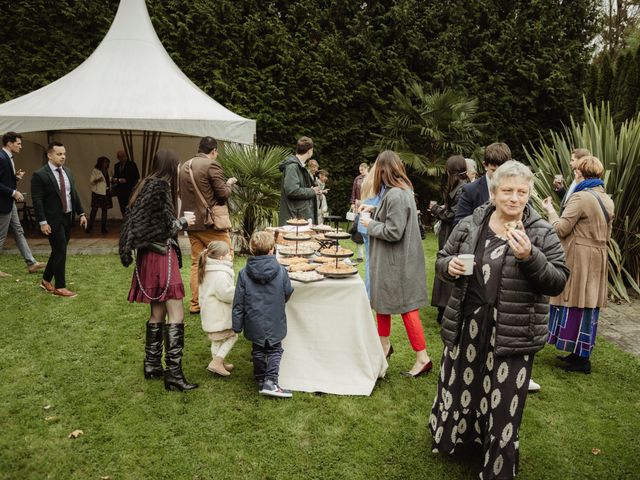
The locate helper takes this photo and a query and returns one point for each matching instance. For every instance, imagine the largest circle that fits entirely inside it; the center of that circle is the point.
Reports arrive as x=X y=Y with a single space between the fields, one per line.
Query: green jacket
x=297 y=198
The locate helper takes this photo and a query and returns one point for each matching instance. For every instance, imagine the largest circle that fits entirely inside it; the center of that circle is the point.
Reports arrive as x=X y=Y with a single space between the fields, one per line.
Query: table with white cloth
x=332 y=343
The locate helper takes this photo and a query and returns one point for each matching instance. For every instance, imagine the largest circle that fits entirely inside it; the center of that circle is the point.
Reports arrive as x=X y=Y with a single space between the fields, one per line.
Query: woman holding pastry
x=495 y=320
x=584 y=230
x=396 y=263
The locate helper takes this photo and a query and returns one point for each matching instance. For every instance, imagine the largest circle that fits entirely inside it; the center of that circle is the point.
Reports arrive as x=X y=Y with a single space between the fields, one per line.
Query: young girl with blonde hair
x=215 y=296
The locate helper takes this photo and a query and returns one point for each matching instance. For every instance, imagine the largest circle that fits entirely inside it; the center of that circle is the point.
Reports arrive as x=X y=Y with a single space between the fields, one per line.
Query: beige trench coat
x=584 y=234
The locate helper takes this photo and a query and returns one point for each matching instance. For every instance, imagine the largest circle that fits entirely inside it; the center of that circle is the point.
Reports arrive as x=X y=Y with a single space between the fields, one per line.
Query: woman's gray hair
x=471 y=164
x=510 y=169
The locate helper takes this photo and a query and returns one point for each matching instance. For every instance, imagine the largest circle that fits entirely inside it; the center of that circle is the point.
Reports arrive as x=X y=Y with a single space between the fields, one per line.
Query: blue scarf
x=591 y=183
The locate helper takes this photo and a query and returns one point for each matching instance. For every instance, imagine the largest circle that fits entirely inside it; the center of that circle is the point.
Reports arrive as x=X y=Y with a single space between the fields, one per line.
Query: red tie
x=63 y=191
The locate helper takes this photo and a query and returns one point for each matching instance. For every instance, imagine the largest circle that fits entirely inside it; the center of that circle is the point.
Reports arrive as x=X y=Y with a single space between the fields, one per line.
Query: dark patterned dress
x=480 y=397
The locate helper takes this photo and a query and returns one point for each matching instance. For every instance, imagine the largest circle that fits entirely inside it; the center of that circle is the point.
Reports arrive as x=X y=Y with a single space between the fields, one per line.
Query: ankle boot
x=153 y=351
x=173 y=345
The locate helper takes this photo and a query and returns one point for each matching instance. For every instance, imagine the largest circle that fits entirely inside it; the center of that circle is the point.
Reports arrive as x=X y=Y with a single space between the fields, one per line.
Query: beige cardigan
x=96 y=186
x=584 y=234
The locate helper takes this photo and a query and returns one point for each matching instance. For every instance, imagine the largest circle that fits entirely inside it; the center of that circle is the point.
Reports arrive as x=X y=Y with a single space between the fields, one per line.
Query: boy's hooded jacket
x=262 y=290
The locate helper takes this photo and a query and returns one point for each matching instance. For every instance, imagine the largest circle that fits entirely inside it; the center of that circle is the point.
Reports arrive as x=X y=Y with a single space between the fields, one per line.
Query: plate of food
x=322 y=228
x=338 y=235
x=336 y=252
x=297 y=221
x=340 y=271
x=324 y=259
x=297 y=251
x=306 y=277
x=302 y=267
x=292 y=261
x=297 y=237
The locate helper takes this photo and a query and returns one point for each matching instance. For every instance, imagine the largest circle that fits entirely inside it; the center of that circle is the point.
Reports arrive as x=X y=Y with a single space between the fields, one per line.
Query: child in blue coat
x=262 y=289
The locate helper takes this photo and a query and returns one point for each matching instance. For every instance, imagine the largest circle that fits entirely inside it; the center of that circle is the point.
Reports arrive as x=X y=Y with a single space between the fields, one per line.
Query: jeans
x=266 y=362
x=12 y=220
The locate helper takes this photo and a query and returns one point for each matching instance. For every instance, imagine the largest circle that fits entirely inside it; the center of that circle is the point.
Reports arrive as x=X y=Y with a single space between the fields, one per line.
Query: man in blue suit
x=56 y=203
x=477 y=193
x=9 y=194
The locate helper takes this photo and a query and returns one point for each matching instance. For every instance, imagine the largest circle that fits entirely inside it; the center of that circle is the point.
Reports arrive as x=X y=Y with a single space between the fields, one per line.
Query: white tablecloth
x=332 y=343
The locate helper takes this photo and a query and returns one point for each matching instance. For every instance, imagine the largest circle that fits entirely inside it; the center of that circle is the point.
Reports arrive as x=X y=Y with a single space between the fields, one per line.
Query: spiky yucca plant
x=620 y=155
x=255 y=199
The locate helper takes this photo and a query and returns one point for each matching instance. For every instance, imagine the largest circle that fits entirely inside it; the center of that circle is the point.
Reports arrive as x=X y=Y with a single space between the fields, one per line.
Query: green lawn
x=70 y=364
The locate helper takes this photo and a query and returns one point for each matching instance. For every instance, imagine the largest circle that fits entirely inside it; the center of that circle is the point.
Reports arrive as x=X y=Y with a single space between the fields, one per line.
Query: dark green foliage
x=325 y=68
x=630 y=89
x=592 y=90
x=624 y=81
x=605 y=79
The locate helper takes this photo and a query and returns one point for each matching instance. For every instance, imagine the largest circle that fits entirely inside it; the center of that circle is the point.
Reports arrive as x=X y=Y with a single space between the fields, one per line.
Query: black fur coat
x=150 y=219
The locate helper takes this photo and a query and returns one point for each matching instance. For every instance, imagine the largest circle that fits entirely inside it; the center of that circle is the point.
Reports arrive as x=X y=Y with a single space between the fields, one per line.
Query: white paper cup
x=467 y=259
x=189 y=215
x=365 y=215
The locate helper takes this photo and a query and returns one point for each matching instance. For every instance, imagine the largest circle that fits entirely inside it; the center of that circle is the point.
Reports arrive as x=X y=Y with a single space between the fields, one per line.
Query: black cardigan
x=150 y=219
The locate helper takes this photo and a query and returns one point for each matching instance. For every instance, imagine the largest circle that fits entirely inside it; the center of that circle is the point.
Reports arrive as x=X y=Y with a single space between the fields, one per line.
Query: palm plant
x=619 y=154
x=256 y=197
x=424 y=128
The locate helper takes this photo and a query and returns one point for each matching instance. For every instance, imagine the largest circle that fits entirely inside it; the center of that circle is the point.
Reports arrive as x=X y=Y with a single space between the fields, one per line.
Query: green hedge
x=322 y=68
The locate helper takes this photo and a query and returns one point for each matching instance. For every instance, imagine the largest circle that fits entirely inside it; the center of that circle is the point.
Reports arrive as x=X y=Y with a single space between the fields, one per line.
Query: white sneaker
x=533 y=386
x=271 y=389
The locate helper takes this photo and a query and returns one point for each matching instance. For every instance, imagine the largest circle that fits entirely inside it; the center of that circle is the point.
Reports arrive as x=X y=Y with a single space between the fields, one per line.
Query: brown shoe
x=63 y=292
x=4 y=274
x=47 y=286
x=36 y=266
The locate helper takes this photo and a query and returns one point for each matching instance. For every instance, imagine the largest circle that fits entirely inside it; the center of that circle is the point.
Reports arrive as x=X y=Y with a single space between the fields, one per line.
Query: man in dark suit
x=56 y=202
x=125 y=178
x=477 y=193
x=9 y=194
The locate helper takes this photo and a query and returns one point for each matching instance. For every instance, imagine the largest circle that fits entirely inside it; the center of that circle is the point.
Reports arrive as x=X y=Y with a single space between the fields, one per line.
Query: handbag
x=158 y=247
x=215 y=216
x=350 y=215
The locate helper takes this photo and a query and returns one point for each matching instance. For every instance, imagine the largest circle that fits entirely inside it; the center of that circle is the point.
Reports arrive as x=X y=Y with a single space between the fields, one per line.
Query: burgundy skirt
x=153 y=270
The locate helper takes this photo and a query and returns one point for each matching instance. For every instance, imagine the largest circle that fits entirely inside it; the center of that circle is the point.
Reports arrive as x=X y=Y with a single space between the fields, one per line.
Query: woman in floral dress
x=495 y=321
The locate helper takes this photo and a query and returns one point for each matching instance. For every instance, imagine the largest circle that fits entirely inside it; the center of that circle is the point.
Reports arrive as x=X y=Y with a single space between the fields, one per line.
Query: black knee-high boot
x=153 y=351
x=173 y=345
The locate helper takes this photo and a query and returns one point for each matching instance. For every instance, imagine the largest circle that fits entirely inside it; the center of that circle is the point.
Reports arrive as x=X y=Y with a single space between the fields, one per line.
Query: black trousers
x=123 y=202
x=266 y=362
x=58 y=239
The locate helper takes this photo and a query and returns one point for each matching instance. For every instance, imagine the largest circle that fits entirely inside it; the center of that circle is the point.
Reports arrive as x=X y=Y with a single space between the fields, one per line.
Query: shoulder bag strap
x=195 y=187
x=604 y=211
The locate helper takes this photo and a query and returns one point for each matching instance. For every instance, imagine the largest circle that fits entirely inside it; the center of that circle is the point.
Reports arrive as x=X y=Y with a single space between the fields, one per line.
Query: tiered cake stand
x=297 y=237
x=337 y=253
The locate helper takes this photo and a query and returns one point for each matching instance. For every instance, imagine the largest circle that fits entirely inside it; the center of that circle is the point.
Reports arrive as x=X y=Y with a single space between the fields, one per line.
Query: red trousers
x=412 y=324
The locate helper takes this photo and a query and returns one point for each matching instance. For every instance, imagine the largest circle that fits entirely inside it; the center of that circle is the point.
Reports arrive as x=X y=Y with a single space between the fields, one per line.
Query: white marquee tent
x=128 y=84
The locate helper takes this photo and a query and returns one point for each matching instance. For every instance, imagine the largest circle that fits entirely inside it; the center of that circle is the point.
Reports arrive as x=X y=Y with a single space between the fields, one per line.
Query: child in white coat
x=215 y=276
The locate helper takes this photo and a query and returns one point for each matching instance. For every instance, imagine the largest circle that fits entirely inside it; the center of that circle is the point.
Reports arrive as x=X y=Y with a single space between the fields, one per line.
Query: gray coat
x=523 y=302
x=396 y=257
x=297 y=197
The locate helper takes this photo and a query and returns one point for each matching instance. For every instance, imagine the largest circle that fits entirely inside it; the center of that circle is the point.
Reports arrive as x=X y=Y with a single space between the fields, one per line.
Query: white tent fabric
x=128 y=83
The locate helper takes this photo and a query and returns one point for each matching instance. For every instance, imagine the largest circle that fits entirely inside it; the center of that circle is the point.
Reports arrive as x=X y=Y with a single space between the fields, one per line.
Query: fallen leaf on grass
x=596 y=451
x=47 y=407
x=76 y=433
x=50 y=419
x=106 y=477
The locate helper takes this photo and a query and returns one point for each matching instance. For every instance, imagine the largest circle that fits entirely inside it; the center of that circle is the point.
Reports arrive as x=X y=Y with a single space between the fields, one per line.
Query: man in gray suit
x=9 y=195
